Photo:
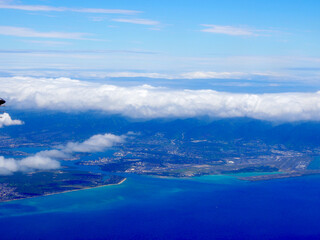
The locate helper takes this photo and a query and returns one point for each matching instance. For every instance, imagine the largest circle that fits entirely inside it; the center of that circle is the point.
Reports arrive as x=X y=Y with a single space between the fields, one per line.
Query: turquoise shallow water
x=135 y=188
x=208 y=207
x=315 y=164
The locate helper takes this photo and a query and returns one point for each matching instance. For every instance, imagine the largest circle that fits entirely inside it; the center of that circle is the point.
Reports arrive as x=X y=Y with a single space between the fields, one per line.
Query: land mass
x=264 y=177
x=21 y=185
x=168 y=148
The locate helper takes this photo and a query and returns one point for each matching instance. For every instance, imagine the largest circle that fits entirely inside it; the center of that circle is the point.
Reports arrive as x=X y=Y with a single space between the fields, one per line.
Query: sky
x=155 y=59
x=204 y=39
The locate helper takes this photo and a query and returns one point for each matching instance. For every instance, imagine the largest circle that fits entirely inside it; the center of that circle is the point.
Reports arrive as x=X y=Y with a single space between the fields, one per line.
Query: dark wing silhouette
x=2 y=101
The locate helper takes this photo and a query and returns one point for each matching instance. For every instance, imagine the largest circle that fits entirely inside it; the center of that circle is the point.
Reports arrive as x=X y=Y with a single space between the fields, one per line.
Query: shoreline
x=73 y=190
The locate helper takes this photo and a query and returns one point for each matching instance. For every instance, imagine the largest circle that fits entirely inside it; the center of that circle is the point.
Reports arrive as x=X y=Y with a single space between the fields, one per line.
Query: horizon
x=265 y=44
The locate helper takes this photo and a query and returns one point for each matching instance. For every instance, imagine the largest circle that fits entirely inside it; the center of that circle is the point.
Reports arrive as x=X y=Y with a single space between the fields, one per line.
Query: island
x=165 y=148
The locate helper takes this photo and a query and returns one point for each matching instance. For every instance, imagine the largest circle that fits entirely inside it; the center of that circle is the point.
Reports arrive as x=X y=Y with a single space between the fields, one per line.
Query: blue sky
x=150 y=59
x=174 y=39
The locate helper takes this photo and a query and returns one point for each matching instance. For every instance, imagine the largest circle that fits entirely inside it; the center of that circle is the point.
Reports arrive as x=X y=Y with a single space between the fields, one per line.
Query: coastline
x=73 y=190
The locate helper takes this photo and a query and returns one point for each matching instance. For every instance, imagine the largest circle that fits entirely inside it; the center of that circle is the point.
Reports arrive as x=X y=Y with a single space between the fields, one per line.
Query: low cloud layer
x=145 y=101
x=49 y=159
x=6 y=120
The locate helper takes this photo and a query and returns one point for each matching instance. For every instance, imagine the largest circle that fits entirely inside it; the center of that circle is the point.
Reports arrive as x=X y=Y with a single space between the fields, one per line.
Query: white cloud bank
x=6 y=120
x=64 y=94
x=48 y=159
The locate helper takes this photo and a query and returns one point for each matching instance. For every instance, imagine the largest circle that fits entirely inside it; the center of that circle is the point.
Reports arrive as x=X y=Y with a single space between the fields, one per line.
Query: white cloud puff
x=96 y=143
x=8 y=165
x=38 y=162
x=48 y=159
x=6 y=120
x=145 y=101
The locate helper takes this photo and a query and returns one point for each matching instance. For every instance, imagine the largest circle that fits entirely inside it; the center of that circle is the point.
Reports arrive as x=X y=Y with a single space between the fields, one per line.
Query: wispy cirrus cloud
x=106 y=11
x=48 y=43
x=28 y=32
x=137 y=21
x=231 y=30
x=44 y=8
x=71 y=52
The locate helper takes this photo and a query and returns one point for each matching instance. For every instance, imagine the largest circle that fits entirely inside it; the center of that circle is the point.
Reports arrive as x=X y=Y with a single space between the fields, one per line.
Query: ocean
x=143 y=207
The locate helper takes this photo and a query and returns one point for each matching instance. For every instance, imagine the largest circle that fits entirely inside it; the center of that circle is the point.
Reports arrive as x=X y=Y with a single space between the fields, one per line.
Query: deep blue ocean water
x=208 y=207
